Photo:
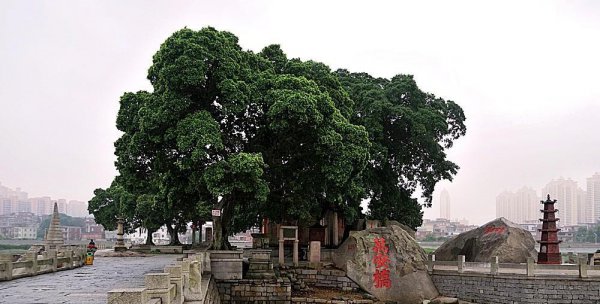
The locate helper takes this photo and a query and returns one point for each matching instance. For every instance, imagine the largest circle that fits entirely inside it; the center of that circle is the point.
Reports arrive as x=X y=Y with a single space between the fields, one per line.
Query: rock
x=444 y=300
x=409 y=281
x=500 y=237
x=389 y=223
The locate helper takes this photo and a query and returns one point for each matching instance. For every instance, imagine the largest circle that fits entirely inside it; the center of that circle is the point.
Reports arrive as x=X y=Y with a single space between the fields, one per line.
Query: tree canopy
x=259 y=135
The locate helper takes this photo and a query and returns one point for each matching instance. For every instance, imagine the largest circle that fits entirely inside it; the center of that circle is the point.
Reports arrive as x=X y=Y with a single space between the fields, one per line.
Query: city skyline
x=576 y=205
x=17 y=200
x=525 y=76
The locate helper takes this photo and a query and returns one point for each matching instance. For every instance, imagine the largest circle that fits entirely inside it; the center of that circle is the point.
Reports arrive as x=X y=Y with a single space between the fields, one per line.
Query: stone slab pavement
x=84 y=285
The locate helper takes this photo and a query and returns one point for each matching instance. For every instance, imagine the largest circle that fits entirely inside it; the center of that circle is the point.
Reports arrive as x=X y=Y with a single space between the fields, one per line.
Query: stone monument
x=388 y=263
x=120 y=245
x=549 y=250
x=54 y=236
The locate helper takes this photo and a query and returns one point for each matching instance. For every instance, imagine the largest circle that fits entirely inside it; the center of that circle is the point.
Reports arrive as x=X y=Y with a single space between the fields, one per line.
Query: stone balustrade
x=32 y=264
x=529 y=269
x=180 y=283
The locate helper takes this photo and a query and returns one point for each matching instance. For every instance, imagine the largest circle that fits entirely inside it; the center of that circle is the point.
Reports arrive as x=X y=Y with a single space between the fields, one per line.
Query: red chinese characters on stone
x=492 y=229
x=381 y=277
x=381 y=259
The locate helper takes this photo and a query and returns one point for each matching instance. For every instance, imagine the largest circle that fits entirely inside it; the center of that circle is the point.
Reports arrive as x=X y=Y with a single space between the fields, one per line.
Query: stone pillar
x=158 y=286
x=52 y=255
x=127 y=296
x=461 y=263
x=69 y=258
x=120 y=245
x=193 y=291
x=335 y=239
x=530 y=267
x=295 y=254
x=431 y=262
x=6 y=267
x=314 y=256
x=494 y=265
x=176 y=279
x=583 y=268
x=281 y=253
x=32 y=256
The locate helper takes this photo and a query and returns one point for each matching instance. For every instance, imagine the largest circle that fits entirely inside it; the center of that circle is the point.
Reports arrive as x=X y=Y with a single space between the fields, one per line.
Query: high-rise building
x=62 y=205
x=565 y=192
x=585 y=212
x=445 y=205
x=593 y=197
x=77 y=209
x=41 y=205
x=519 y=207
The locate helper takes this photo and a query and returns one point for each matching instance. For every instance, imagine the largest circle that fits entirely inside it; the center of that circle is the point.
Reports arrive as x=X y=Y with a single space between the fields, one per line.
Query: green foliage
x=588 y=235
x=261 y=135
x=410 y=131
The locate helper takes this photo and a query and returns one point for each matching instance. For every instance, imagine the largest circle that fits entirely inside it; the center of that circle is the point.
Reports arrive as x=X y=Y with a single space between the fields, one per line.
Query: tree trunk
x=174 y=236
x=149 y=238
x=221 y=228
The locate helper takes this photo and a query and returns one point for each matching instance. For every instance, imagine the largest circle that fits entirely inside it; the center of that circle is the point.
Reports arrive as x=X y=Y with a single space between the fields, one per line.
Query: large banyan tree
x=263 y=136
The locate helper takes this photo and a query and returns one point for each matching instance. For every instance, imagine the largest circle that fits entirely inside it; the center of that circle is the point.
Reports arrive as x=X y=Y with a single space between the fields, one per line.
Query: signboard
x=216 y=212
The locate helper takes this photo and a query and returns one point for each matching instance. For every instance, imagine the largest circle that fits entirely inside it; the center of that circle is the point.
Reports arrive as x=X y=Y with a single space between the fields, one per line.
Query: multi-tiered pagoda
x=549 y=251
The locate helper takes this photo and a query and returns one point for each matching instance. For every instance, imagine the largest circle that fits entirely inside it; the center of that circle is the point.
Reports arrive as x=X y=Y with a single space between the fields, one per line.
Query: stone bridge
x=85 y=285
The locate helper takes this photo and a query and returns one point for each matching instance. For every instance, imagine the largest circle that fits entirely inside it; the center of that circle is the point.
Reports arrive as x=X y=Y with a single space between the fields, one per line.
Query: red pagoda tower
x=549 y=251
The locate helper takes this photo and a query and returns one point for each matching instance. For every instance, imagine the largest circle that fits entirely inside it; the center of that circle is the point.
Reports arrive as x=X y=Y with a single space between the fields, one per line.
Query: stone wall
x=211 y=292
x=255 y=291
x=509 y=289
x=331 y=278
x=296 y=300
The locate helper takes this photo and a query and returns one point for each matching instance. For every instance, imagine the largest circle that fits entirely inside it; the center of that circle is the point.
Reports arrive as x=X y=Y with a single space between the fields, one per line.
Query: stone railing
x=180 y=283
x=529 y=269
x=32 y=264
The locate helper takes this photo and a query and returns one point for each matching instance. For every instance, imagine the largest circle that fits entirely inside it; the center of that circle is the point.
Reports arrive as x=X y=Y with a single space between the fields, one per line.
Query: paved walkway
x=84 y=285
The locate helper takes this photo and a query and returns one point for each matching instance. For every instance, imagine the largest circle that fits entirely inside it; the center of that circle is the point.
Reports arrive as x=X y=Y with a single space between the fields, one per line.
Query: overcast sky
x=525 y=73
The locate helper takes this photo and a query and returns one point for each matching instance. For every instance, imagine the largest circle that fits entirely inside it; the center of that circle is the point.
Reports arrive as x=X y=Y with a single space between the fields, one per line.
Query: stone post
x=494 y=265
x=281 y=253
x=52 y=255
x=431 y=262
x=295 y=255
x=32 y=256
x=158 y=286
x=176 y=279
x=193 y=291
x=120 y=245
x=6 y=267
x=314 y=260
x=127 y=296
x=69 y=256
x=185 y=275
x=583 y=268
x=461 y=263
x=530 y=267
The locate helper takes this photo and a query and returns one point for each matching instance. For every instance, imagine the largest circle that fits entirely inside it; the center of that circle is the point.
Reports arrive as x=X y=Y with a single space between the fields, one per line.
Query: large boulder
x=370 y=255
x=500 y=237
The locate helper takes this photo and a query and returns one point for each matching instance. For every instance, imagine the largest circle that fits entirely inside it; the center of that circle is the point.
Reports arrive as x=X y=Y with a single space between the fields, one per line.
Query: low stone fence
x=331 y=278
x=255 y=291
x=32 y=264
x=530 y=269
x=504 y=283
x=180 y=283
